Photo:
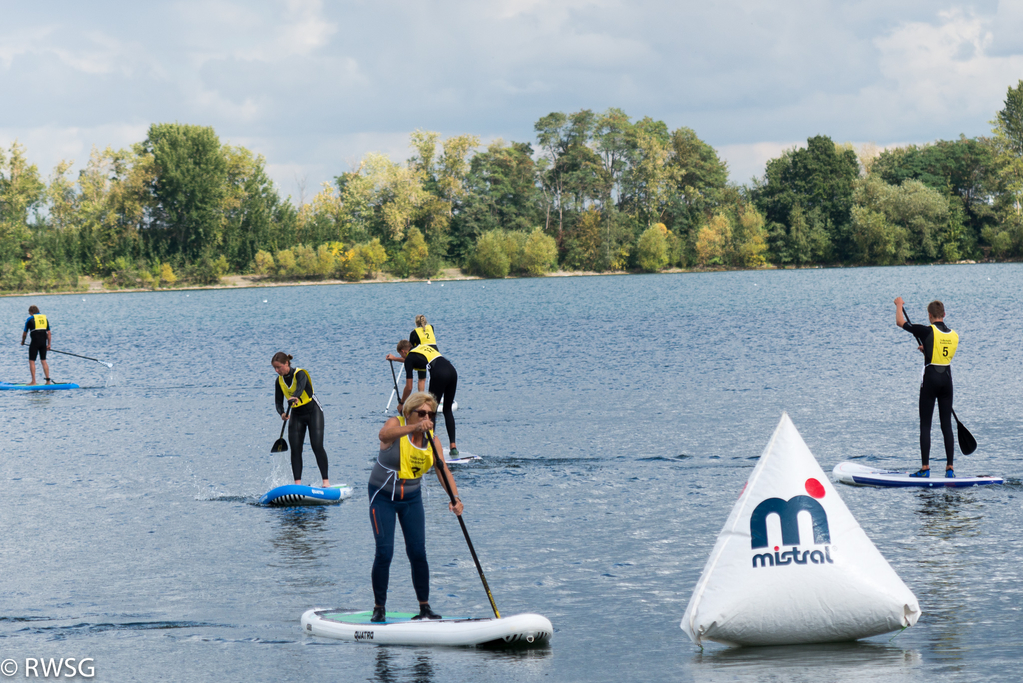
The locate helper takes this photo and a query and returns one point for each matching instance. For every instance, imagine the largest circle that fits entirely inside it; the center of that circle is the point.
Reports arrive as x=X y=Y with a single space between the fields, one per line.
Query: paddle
x=280 y=445
x=394 y=378
x=967 y=444
x=109 y=365
x=447 y=487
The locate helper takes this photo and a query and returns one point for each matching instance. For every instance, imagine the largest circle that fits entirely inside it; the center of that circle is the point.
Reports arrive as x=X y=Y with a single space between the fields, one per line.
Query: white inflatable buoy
x=792 y=565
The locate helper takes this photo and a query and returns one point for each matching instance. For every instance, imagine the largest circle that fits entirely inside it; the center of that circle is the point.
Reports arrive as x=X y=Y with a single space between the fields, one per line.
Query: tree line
x=593 y=191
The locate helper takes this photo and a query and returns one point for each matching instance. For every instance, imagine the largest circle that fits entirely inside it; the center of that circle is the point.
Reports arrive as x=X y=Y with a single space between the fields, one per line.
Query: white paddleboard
x=521 y=630
x=462 y=458
x=856 y=474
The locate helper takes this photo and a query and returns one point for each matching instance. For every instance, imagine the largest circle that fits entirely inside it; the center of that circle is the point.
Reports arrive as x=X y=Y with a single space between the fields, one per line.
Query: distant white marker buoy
x=264 y=301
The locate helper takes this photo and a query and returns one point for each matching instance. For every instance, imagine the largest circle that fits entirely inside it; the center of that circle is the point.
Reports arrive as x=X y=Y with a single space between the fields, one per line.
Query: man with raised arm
x=938 y=343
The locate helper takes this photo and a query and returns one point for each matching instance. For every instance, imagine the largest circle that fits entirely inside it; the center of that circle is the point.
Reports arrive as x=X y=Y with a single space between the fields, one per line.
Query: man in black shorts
x=939 y=344
x=39 y=327
x=443 y=380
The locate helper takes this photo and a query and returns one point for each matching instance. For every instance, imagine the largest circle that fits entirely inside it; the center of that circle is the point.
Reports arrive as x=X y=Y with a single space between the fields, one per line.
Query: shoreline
x=96 y=286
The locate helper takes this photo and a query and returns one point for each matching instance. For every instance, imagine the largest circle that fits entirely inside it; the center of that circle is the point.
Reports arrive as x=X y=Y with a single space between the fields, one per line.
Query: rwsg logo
x=788 y=513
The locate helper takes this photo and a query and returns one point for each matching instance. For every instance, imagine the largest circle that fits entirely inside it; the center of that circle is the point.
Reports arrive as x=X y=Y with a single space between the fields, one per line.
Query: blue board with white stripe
x=295 y=494
x=11 y=386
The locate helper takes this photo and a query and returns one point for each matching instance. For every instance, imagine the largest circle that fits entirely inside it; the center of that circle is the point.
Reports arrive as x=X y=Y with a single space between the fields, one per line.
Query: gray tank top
x=385 y=474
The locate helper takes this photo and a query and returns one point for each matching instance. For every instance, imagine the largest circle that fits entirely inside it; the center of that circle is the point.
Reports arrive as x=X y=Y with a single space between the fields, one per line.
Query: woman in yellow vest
x=423 y=334
x=395 y=492
x=295 y=386
x=939 y=345
x=443 y=380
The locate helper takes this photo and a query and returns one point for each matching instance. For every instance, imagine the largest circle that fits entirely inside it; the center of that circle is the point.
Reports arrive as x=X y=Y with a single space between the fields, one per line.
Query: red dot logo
x=776 y=548
x=814 y=488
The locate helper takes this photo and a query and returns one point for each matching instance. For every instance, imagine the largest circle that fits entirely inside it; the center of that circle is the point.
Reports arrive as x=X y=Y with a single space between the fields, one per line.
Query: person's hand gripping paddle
x=967 y=444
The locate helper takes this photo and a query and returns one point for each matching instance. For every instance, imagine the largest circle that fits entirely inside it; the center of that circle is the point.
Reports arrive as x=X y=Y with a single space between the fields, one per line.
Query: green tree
x=820 y=179
x=652 y=249
x=1008 y=145
x=21 y=193
x=489 y=258
x=540 y=253
x=189 y=187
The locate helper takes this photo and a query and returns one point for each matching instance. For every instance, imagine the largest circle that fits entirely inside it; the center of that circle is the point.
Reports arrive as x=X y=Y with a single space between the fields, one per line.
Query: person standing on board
x=39 y=327
x=395 y=491
x=938 y=343
x=423 y=334
x=443 y=380
x=296 y=387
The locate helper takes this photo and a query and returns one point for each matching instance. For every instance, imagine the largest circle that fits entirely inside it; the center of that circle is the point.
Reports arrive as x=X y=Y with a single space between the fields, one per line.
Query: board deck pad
x=391 y=618
x=8 y=386
x=855 y=474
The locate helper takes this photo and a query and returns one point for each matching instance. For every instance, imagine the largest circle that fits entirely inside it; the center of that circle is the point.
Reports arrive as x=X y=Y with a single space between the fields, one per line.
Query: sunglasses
x=425 y=413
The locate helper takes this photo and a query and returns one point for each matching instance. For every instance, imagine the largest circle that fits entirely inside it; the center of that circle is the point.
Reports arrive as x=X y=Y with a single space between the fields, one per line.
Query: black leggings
x=442 y=385
x=936 y=386
x=308 y=416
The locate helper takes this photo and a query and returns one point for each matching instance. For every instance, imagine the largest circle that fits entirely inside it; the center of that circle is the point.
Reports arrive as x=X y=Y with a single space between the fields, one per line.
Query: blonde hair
x=420 y=321
x=416 y=400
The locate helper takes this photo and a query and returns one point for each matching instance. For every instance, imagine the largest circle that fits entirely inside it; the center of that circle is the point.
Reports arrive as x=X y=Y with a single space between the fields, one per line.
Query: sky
x=313 y=85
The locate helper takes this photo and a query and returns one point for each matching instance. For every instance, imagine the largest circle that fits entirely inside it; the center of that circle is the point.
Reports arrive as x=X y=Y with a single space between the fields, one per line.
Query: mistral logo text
x=788 y=512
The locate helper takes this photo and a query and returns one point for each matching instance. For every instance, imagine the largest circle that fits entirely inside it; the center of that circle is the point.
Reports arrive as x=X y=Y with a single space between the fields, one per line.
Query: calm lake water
x=618 y=418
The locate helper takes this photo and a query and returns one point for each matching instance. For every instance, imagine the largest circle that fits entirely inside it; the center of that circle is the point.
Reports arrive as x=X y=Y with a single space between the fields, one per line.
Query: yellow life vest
x=289 y=391
x=415 y=461
x=426 y=335
x=943 y=348
x=429 y=352
x=40 y=321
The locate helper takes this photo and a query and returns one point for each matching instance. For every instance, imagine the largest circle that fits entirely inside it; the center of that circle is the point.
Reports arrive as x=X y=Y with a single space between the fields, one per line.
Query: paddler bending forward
x=296 y=386
x=443 y=380
x=395 y=490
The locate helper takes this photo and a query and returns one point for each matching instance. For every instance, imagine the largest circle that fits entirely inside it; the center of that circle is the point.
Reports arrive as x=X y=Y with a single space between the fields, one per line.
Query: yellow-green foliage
x=652 y=254
x=285 y=262
x=264 y=263
x=167 y=275
x=374 y=254
x=351 y=265
x=540 y=254
x=415 y=250
x=489 y=258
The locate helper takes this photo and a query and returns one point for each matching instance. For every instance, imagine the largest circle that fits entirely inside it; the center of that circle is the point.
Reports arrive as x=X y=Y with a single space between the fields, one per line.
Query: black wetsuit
x=443 y=382
x=309 y=416
x=935 y=386
x=37 y=338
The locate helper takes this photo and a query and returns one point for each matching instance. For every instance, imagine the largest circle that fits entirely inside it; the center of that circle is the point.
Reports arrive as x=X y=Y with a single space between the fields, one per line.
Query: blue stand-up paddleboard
x=519 y=630
x=855 y=474
x=9 y=386
x=294 y=494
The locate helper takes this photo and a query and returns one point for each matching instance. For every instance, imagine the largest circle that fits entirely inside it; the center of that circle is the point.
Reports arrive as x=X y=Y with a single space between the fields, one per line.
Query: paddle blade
x=967 y=444
x=280 y=445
